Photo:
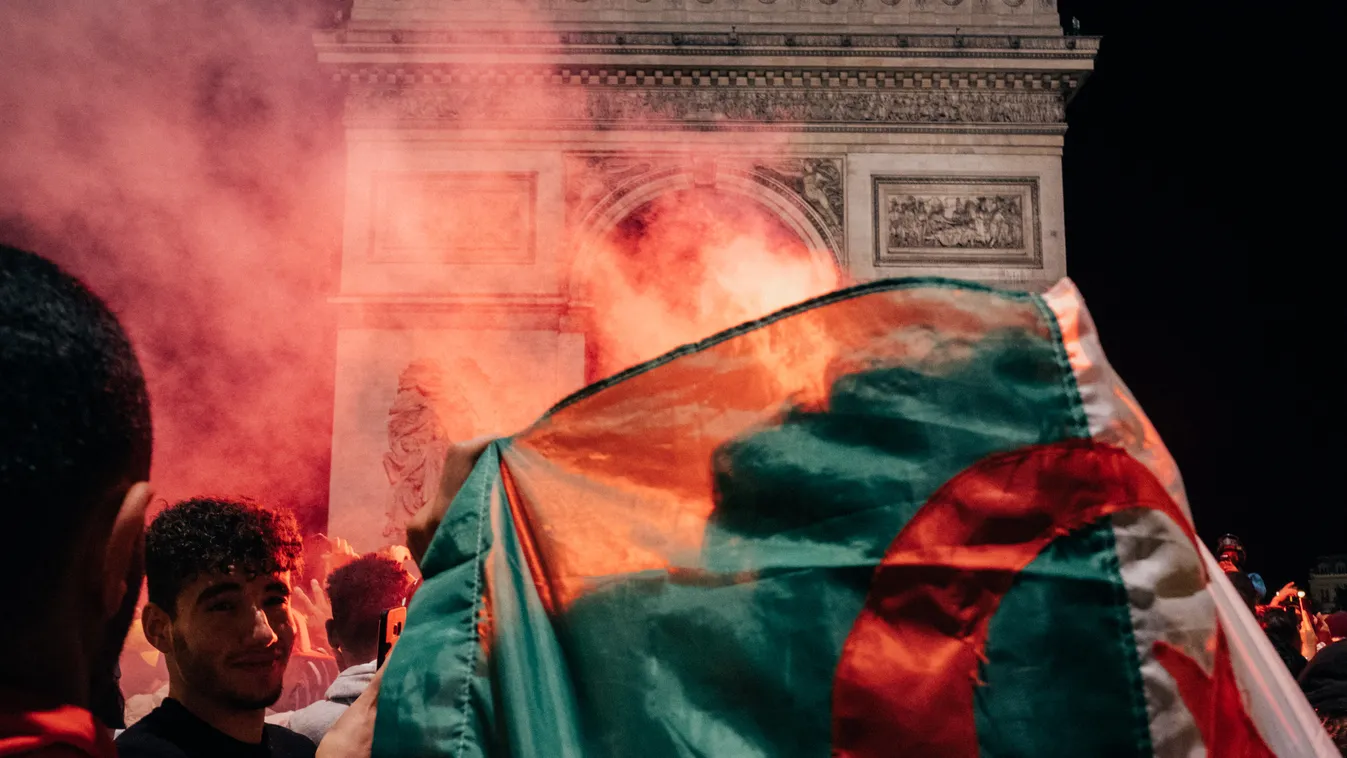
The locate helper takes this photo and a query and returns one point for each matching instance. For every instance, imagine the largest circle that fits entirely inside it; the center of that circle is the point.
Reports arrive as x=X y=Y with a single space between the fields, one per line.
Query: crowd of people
x=1311 y=644
x=226 y=609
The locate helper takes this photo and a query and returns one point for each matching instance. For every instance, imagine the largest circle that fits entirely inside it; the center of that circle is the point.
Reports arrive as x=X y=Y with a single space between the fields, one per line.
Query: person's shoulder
x=50 y=751
x=141 y=741
x=314 y=720
x=285 y=743
x=148 y=737
x=1333 y=657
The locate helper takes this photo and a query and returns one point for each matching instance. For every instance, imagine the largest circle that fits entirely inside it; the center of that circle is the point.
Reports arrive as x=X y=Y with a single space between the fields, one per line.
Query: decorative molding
x=813 y=185
x=520 y=312
x=595 y=178
x=957 y=221
x=383 y=78
x=542 y=12
x=454 y=217
x=703 y=108
x=644 y=44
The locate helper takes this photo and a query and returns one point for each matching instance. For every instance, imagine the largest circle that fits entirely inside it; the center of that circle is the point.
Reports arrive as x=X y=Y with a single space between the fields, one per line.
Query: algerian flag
x=911 y=518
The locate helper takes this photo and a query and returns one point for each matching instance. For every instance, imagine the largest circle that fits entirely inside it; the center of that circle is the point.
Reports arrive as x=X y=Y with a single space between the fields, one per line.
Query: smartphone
x=391 y=622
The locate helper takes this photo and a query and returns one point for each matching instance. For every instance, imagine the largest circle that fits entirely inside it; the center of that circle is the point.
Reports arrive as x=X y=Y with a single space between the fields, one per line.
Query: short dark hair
x=1244 y=586
x=203 y=535
x=74 y=415
x=1282 y=628
x=360 y=592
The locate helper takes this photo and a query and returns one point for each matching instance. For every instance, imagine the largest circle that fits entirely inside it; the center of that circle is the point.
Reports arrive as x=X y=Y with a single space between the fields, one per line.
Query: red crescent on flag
x=906 y=679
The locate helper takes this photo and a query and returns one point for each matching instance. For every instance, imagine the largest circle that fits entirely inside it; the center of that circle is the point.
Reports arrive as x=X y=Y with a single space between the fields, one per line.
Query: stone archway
x=604 y=190
x=680 y=260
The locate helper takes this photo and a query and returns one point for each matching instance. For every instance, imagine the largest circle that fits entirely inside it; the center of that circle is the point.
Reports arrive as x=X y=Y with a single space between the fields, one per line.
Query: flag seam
x=1080 y=424
x=1127 y=641
x=1121 y=603
x=465 y=691
x=869 y=288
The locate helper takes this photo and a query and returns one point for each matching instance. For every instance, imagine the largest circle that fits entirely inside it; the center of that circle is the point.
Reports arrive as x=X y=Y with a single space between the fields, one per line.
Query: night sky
x=1185 y=234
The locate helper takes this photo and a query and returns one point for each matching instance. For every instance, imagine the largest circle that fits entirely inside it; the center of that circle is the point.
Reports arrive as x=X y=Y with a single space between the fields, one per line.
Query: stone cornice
x=388 y=311
x=1041 y=16
x=348 y=46
x=637 y=75
x=710 y=81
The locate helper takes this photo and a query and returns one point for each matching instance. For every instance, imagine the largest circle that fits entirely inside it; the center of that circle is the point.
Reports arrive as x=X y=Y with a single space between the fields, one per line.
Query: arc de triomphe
x=490 y=142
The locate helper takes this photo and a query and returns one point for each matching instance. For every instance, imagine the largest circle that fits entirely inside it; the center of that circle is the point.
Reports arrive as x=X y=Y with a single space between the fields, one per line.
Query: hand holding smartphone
x=391 y=622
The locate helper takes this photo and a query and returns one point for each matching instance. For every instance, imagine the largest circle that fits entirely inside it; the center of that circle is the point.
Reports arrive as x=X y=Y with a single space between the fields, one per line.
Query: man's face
x=232 y=636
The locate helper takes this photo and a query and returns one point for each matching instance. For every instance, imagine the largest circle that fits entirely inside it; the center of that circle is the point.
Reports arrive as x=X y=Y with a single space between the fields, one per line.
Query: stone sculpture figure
x=429 y=413
x=822 y=188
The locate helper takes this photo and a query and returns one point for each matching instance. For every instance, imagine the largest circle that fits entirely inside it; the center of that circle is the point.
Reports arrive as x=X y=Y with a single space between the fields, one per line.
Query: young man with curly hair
x=75 y=444
x=359 y=593
x=219 y=574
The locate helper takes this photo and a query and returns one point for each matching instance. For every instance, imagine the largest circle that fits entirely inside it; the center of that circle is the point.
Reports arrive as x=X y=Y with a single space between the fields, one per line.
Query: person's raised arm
x=457 y=466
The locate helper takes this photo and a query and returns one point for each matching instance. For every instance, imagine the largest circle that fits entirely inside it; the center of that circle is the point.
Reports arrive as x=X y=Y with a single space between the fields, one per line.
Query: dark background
x=1201 y=259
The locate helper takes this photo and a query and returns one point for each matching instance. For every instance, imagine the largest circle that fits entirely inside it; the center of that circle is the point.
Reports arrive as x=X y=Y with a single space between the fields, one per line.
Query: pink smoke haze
x=180 y=158
x=690 y=264
x=186 y=160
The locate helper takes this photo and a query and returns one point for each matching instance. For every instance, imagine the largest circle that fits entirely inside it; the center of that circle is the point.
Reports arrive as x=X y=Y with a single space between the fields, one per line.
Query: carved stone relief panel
x=962 y=221
x=430 y=412
x=454 y=217
x=818 y=183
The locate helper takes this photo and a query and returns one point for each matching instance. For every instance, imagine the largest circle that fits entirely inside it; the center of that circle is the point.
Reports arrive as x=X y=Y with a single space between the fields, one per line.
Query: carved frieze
x=707 y=107
x=969 y=221
x=742 y=41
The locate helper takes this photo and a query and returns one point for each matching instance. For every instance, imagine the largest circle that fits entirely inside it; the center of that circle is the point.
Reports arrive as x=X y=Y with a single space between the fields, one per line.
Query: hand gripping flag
x=910 y=518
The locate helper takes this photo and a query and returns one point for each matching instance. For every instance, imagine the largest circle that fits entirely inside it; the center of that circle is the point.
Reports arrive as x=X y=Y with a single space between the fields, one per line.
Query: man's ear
x=157 y=626
x=124 y=543
x=332 y=638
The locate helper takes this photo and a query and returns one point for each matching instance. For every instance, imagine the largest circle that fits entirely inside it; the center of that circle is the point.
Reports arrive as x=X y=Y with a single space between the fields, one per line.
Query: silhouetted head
x=75 y=446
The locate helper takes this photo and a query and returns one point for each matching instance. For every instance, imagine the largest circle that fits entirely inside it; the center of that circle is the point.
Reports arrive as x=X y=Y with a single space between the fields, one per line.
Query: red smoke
x=692 y=263
x=184 y=160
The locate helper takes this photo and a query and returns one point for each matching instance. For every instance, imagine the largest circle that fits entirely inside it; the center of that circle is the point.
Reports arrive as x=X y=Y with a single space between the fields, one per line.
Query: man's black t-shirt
x=171 y=731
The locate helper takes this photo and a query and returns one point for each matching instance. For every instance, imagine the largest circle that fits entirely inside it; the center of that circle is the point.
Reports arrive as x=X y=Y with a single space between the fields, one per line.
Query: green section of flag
x=1062 y=675
x=437 y=695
